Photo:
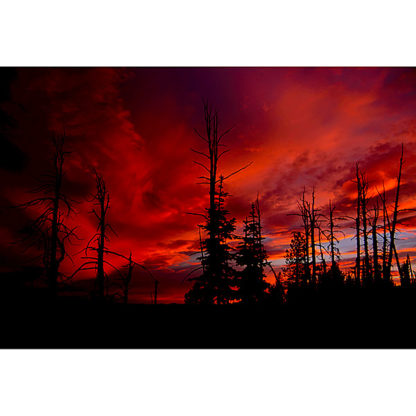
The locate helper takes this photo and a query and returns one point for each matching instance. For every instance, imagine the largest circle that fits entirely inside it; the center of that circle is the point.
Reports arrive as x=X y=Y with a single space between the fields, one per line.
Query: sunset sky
x=299 y=126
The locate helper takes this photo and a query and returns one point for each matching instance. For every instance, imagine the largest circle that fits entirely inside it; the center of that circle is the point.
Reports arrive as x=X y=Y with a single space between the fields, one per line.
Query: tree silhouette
x=303 y=209
x=394 y=220
x=364 y=218
x=49 y=227
x=376 y=266
x=252 y=256
x=406 y=276
x=311 y=221
x=126 y=274
x=217 y=280
x=126 y=279
x=334 y=251
x=101 y=202
x=333 y=230
x=386 y=231
x=296 y=261
x=357 y=227
x=321 y=251
x=214 y=285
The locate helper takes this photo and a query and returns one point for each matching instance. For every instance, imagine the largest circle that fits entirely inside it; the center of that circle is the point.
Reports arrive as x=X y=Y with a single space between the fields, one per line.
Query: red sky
x=299 y=126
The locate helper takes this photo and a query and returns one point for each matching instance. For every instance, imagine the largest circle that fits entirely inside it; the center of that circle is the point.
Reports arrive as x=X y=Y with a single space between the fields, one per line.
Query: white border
x=218 y=32
x=206 y=383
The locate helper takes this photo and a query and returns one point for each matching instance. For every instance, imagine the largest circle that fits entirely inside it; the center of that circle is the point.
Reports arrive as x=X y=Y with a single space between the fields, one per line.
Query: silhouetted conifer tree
x=215 y=283
x=218 y=277
x=405 y=275
x=252 y=256
x=296 y=262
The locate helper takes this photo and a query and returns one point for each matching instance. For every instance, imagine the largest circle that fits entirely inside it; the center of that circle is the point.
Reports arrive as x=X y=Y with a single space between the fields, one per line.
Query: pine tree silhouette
x=218 y=276
x=296 y=261
x=215 y=283
x=252 y=256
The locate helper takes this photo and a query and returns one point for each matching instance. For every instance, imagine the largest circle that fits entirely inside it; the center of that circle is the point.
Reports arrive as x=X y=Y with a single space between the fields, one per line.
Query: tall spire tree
x=394 y=220
x=50 y=226
x=303 y=212
x=98 y=242
x=311 y=220
x=364 y=217
x=333 y=242
x=357 y=227
x=376 y=267
x=214 y=283
x=386 y=230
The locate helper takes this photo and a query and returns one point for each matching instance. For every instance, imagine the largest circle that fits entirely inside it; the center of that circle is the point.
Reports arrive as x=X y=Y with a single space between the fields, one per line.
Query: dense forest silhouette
x=235 y=278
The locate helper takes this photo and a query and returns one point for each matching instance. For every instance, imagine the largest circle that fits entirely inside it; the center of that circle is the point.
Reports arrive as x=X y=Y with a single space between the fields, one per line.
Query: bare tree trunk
x=100 y=252
x=357 y=227
x=386 y=229
x=410 y=269
x=331 y=236
x=103 y=200
x=397 y=261
x=375 y=252
x=53 y=262
x=211 y=128
x=312 y=220
x=394 y=221
x=201 y=247
x=364 y=188
x=385 y=276
x=305 y=219
x=322 y=252
x=128 y=280
x=49 y=225
x=297 y=271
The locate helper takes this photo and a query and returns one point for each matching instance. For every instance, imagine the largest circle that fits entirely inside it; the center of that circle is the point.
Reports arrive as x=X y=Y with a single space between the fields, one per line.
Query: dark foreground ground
x=349 y=319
